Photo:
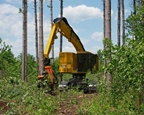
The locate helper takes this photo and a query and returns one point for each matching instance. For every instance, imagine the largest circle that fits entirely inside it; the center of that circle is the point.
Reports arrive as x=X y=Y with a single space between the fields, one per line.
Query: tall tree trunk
x=134 y=6
x=123 y=22
x=108 y=19
x=61 y=40
x=119 y=22
x=51 y=18
x=104 y=18
x=104 y=35
x=61 y=15
x=134 y=12
x=41 y=50
x=24 y=48
x=36 y=35
x=108 y=35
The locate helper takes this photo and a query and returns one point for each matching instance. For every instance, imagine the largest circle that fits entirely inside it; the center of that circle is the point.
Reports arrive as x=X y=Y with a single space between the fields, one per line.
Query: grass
x=24 y=98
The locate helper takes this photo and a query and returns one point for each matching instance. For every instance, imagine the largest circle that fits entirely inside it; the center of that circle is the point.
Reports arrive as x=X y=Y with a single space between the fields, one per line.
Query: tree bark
x=24 y=48
x=134 y=6
x=123 y=22
x=61 y=15
x=119 y=22
x=51 y=18
x=108 y=19
x=41 y=50
x=108 y=35
x=104 y=35
x=61 y=39
x=104 y=18
x=36 y=35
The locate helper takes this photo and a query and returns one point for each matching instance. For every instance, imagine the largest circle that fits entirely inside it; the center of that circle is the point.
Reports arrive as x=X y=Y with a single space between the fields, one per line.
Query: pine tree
x=108 y=34
x=61 y=40
x=41 y=50
x=24 y=48
x=51 y=18
x=119 y=22
x=36 y=34
x=123 y=22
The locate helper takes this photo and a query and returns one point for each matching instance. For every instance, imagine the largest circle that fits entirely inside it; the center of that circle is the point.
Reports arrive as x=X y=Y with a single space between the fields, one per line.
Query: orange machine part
x=41 y=77
x=50 y=73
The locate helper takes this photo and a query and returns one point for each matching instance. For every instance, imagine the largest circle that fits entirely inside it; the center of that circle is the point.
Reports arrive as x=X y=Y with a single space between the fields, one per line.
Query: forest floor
x=22 y=98
x=71 y=106
x=4 y=107
x=68 y=106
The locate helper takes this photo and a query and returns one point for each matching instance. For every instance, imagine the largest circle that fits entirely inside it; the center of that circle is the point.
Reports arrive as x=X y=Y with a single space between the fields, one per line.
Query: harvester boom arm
x=61 y=25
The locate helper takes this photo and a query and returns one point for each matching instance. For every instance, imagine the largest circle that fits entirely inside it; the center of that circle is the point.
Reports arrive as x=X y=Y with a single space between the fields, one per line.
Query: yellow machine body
x=69 y=62
x=77 y=63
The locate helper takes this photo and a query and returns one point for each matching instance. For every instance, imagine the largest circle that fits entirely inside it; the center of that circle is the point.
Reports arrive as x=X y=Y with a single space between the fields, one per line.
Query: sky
x=84 y=16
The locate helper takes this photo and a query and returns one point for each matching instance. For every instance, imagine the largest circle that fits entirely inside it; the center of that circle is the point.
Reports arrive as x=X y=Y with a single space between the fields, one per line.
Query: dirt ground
x=4 y=107
x=68 y=107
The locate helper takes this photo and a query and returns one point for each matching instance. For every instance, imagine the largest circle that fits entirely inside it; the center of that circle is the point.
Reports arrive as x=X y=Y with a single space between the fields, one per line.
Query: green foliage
x=126 y=67
x=6 y=56
x=127 y=64
x=25 y=97
x=135 y=23
x=10 y=67
x=31 y=67
x=55 y=66
x=103 y=105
